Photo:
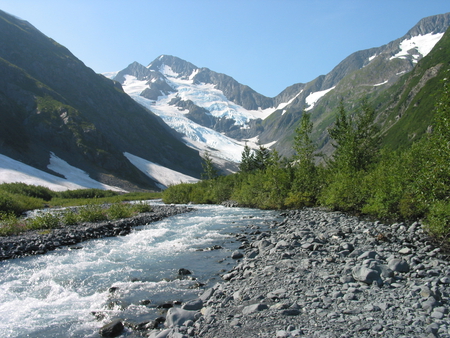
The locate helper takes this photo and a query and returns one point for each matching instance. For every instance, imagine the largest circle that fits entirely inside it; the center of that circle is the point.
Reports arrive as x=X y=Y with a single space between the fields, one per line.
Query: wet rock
x=184 y=272
x=112 y=329
x=237 y=255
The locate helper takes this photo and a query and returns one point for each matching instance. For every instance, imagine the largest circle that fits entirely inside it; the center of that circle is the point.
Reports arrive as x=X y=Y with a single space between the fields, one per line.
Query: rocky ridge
x=324 y=274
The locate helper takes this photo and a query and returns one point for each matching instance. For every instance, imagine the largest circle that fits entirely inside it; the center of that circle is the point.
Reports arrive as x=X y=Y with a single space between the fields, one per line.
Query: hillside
x=198 y=102
x=51 y=102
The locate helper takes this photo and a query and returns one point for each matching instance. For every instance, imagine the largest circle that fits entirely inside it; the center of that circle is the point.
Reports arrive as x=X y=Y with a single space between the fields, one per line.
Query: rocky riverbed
x=322 y=274
x=41 y=241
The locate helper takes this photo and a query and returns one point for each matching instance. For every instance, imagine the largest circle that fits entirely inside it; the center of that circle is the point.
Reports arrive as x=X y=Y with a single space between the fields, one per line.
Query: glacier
x=205 y=96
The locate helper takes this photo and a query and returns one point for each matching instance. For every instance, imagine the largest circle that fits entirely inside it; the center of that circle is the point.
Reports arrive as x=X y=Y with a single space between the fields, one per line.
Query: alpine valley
x=146 y=127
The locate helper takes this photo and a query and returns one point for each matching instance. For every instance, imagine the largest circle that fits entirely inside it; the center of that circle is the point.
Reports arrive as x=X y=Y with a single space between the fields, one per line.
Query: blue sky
x=266 y=44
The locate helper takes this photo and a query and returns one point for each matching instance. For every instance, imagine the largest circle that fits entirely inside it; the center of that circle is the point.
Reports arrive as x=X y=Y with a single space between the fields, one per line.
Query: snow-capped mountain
x=202 y=113
x=214 y=112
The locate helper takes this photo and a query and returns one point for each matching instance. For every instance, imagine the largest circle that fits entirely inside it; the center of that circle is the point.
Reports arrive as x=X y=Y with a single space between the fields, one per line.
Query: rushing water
x=57 y=294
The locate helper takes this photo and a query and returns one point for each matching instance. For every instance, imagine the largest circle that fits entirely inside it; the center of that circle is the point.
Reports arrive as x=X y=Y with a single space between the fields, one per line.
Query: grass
x=92 y=205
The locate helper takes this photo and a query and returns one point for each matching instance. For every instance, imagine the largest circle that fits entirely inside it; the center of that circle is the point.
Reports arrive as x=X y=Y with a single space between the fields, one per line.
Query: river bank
x=42 y=241
x=324 y=274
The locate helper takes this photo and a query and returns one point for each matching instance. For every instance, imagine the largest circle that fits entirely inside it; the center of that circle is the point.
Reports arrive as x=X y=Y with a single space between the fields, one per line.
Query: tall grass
x=97 y=205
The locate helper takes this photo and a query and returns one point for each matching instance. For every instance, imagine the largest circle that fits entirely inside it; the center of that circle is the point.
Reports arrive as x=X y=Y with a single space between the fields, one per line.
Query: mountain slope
x=53 y=102
x=366 y=73
x=197 y=101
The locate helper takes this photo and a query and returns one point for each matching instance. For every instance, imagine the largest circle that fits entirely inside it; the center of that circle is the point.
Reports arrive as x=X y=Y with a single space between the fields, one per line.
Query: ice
x=14 y=171
x=133 y=85
x=312 y=98
x=203 y=95
x=422 y=43
x=164 y=176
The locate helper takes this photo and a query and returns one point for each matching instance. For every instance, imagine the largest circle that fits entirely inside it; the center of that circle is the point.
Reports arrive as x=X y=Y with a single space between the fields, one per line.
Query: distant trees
x=360 y=177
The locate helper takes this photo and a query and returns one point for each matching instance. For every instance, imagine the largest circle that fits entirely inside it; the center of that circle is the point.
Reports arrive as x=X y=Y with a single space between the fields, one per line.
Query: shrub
x=438 y=219
x=92 y=213
x=87 y=193
x=69 y=217
x=28 y=190
x=46 y=220
x=120 y=210
x=142 y=207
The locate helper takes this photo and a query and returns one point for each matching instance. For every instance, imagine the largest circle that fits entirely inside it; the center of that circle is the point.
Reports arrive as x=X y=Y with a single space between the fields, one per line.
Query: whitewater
x=73 y=291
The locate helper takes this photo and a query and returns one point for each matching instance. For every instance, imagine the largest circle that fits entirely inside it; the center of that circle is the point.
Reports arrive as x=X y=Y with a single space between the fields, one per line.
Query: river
x=73 y=291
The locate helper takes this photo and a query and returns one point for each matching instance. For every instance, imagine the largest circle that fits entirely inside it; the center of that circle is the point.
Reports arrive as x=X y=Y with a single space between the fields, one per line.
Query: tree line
x=361 y=177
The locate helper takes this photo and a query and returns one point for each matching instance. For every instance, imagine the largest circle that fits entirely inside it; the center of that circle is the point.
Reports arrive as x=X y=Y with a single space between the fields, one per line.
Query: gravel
x=326 y=274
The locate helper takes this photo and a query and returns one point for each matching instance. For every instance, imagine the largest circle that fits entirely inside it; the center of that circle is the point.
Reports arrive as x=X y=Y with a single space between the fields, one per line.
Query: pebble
x=327 y=274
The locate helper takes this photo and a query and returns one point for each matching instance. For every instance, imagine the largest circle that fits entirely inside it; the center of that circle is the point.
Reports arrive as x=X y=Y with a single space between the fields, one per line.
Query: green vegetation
x=361 y=177
x=97 y=205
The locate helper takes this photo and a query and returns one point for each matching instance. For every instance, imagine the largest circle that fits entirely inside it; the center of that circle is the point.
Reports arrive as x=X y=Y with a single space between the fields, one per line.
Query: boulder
x=254 y=308
x=112 y=329
x=177 y=316
x=237 y=255
x=192 y=305
x=184 y=272
x=399 y=265
x=366 y=275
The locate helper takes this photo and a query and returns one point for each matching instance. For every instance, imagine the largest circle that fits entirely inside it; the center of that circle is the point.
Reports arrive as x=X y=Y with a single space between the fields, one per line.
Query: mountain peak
x=430 y=25
x=178 y=66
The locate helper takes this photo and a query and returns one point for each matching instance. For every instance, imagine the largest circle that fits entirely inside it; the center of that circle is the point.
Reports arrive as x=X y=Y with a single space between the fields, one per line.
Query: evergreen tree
x=247 y=160
x=356 y=139
x=209 y=171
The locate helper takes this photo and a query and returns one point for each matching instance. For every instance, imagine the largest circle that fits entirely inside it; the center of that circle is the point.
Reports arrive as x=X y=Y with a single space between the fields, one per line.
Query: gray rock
x=366 y=275
x=237 y=255
x=399 y=265
x=177 y=317
x=254 y=308
x=195 y=304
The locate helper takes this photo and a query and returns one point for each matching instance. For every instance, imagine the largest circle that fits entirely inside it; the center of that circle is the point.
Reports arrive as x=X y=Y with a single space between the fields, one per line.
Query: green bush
x=47 y=220
x=18 y=204
x=28 y=190
x=92 y=213
x=69 y=217
x=438 y=219
x=87 y=193
x=140 y=207
x=119 y=210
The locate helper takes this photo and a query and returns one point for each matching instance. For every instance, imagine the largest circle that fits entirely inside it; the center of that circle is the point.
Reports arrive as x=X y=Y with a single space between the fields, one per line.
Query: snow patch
x=380 y=84
x=373 y=57
x=422 y=43
x=167 y=71
x=312 y=98
x=12 y=171
x=133 y=85
x=283 y=105
x=164 y=176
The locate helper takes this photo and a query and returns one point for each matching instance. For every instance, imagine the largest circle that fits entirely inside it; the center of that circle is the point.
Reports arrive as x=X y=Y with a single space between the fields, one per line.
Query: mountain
x=216 y=113
x=51 y=103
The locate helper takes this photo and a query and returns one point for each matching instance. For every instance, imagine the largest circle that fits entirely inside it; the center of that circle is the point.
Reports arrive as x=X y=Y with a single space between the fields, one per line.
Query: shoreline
x=324 y=274
x=37 y=242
